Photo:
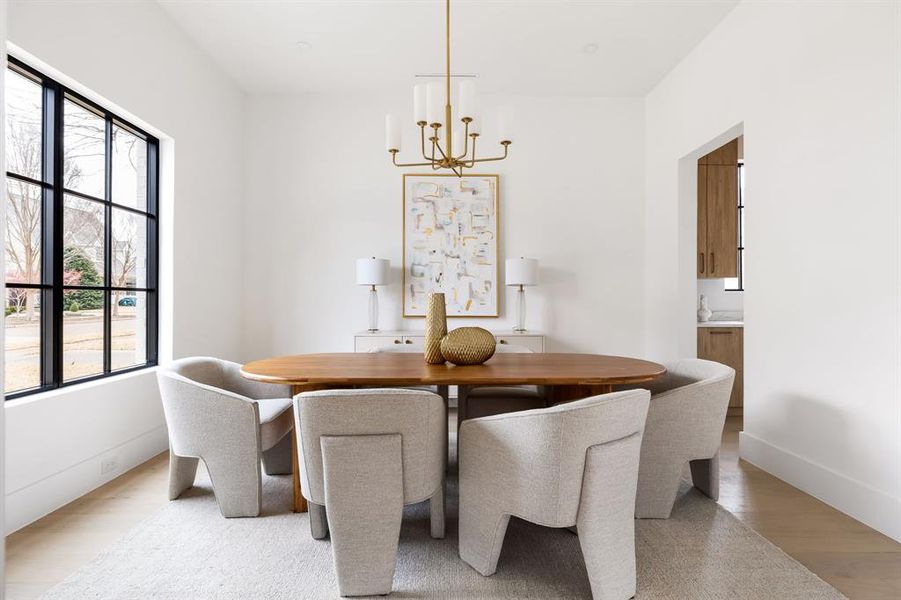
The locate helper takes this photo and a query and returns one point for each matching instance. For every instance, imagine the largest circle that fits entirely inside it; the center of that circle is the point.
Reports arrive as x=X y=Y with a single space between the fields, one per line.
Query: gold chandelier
x=427 y=112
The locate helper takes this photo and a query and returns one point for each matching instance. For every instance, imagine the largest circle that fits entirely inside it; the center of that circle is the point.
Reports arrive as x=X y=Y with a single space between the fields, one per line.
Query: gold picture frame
x=480 y=223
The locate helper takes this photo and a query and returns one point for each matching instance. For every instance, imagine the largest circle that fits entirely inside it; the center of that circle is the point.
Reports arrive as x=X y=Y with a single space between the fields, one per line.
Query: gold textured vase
x=435 y=328
x=468 y=346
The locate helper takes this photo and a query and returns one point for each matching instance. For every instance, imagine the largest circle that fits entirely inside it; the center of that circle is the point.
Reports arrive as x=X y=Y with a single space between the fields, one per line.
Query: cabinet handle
x=701 y=255
x=408 y=341
x=502 y=341
x=396 y=341
x=720 y=332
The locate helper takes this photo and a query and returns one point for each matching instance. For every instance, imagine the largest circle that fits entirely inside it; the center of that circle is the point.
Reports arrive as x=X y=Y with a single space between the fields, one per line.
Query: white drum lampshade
x=521 y=272
x=372 y=272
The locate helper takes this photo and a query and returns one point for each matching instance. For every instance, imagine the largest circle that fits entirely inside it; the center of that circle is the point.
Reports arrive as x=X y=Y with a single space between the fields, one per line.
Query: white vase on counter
x=704 y=313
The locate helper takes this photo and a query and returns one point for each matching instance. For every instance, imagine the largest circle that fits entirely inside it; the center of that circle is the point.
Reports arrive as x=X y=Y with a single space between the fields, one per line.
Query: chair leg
x=658 y=485
x=237 y=484
x=481 y=539
x=705 y=475
x=436 y=513
x=606 y=518
x=462 y=405
x=318 y=521
x=364 y=493
x=182 y=470
x=277 y=460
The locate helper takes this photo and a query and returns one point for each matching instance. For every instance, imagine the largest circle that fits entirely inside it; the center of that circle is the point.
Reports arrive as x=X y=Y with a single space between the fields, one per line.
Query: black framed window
x=81 y=238
x=737 y=284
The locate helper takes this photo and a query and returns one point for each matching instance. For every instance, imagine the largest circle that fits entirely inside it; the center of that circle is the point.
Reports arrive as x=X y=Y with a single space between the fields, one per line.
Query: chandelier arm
x=397 y=164
x=472 y=161
x=441 y=150
x=422 y=140
x=465 y=140
x=481 y=160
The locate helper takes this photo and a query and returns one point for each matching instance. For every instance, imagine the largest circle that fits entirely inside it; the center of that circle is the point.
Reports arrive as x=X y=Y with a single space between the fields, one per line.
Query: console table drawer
x=535 y=343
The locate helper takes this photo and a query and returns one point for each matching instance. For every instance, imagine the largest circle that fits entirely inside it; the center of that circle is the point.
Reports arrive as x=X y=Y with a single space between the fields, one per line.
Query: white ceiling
x=523 y=46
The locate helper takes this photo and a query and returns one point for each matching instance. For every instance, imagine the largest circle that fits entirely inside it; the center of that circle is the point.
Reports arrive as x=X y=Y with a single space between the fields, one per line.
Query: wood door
x=722 y=221
x=726 y=155
x=725 y=345
x=702 y=221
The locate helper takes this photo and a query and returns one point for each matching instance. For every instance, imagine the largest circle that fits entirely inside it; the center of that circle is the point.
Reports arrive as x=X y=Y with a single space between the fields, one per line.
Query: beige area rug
x=187 y=551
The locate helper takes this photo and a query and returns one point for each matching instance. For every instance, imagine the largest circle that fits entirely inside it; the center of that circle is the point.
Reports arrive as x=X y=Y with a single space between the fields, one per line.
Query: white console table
x=365 y=341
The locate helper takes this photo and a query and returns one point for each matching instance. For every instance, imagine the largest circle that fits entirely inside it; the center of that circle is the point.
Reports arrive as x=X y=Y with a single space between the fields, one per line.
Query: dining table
x=566 y=376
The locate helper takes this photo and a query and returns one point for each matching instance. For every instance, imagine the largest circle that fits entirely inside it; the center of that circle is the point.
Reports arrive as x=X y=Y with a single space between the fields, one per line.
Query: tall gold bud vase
x=435 y=328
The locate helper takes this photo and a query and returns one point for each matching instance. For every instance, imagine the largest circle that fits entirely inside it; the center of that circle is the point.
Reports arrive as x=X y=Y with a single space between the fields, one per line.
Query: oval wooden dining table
x=567 y=376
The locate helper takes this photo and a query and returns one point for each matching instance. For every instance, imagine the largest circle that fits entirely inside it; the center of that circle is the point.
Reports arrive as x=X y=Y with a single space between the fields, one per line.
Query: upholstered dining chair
x=685 y=424
x=231 y=423
x=571 y=464
x=365 y=454
x=486 y=400
x=441 y=390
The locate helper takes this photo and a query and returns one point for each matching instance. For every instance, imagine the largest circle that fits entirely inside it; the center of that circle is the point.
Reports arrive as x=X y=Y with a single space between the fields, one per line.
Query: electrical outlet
x=108 y=465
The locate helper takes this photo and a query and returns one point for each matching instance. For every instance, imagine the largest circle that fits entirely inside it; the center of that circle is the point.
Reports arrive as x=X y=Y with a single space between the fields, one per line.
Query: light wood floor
x=860 y=562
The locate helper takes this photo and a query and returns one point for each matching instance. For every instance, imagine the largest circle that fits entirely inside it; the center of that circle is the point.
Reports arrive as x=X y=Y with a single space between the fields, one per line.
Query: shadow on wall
x=555 y=283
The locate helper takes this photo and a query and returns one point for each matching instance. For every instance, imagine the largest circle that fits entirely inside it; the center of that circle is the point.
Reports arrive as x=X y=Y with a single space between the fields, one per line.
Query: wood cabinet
x=725 y=345
x=718 y=213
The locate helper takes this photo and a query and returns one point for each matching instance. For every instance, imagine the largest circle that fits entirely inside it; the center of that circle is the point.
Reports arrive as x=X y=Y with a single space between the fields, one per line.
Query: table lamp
x=521 y=272
x=372 y=272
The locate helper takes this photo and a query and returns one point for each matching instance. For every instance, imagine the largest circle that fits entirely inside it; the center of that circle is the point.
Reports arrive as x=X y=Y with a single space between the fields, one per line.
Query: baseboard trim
x=870 y=506
x=38 y=499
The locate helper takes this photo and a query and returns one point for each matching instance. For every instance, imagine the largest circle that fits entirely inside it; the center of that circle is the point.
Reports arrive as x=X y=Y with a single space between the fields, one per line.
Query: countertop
x=721 y=324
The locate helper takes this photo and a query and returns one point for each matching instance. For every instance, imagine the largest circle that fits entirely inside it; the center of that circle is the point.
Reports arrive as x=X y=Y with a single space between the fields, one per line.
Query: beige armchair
x=365 y=454
x=215 y=415
x=572 y=464
x=685 y=424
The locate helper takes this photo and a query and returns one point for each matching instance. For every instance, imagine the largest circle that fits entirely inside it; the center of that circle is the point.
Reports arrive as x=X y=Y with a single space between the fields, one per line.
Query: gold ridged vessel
x=435 y=328
x=468 y=346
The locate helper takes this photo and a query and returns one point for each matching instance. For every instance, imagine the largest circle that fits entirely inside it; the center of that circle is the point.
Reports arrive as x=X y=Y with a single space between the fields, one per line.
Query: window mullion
x=108 y=248
x=53 y=236
x=151 y=299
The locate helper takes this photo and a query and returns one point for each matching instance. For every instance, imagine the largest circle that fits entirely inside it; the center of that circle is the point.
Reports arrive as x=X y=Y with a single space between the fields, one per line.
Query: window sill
x=78 y=387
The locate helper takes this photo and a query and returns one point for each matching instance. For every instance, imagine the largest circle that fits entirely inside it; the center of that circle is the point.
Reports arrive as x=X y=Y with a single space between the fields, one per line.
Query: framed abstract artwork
x=451 y=243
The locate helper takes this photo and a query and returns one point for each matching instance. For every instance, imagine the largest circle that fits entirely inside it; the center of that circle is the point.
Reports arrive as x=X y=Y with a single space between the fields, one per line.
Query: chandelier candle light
x=427 y=99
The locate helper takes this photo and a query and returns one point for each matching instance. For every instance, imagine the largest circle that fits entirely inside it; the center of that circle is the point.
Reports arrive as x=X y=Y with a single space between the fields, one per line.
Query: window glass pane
x=23 y=339
x=83 y=223
x=129 y=327
x=129 y=249
x=23 y=232
x=24 y=118
x=82 y=333
x=129 y=169
x=84 y=151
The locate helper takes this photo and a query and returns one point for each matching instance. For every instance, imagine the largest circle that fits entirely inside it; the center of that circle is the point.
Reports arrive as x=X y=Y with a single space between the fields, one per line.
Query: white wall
x=815 y=88
x=322 y=192
x=134 y=59
x=2 y=284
